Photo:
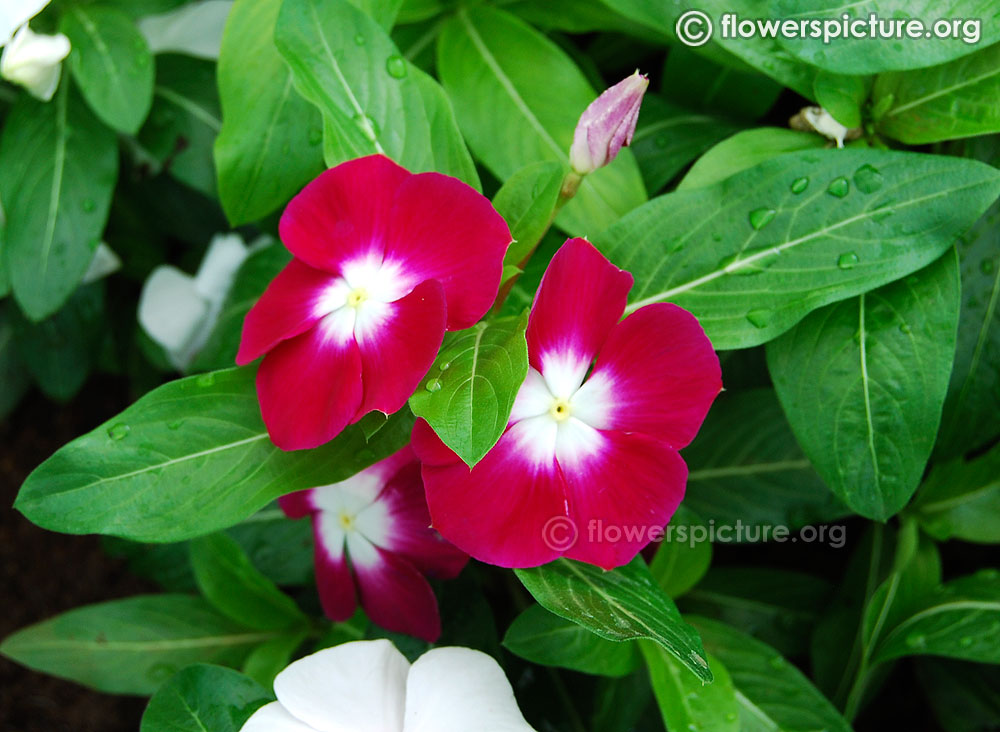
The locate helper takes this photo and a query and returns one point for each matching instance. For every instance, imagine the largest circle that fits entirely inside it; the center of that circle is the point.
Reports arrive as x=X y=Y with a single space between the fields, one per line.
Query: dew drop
x=88 y=205
x=359 y=39
x=161 y=672
x=175 y=425
x=987 y=266
x=118 y=431
x=315 y=136
x=445 y=366
x=760 y=317
x=799 y=185
x=838 y=187
x=868 y=179
x=694 y=727
x=395 y=66
x=916 y=640
x=716 y=236
x=965 y=641
x=433 y=385
x=776 y=662
x=847 y=260
x=761 y=217
x=206 y=379
x=732 y=717
x=904 y=328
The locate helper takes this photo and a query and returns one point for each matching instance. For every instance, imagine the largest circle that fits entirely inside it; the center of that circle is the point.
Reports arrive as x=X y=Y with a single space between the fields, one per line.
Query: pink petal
x=617 y=497
x=581 y=297
x=397 y=352
x=396 y=596
x=656 y=374
x=412 y=537
x=497 y=512
x=343 y=213
x=333 y=575
x=288 y=307
x=444 y=230
x=309 y=388
x=298 y=504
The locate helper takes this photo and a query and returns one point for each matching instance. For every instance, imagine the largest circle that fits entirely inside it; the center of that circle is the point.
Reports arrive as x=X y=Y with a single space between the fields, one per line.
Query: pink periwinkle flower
x=385 y=262
x=607 y=124
x=374 y=546
x=589 y=445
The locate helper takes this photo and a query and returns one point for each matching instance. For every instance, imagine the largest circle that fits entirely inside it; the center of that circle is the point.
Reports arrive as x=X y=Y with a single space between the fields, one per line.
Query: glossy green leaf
x=772 y=693
x=237 y=589
x=699 y=83
x=527 y=202
x=539 y=636
x=272 y=656
x=842 y=96
x=623 y=604
x=131 y=646
x=863 y=382
x=58 y=166
x=685 y=703
x=204 y=698
x=680 y=561
x=865 y=218
x=270 y=142
x=14 y=378
x=468 y=394
x=372 y=99
x=619 y=703
x=961 y=499
x=382 y=12
x=745 y=466
x=511 y=116
x=965 y=697
x=867 y=55
x=203 y=437
x=943 y=102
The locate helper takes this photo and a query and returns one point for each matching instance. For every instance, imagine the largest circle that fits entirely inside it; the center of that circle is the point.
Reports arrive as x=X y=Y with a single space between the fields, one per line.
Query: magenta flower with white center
x=607 y=125
x=385 y=262
x=374 y=545
x=588 y=445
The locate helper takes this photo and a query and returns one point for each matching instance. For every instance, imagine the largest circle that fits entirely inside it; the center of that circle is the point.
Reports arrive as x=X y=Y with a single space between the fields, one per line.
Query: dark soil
x=43 y=574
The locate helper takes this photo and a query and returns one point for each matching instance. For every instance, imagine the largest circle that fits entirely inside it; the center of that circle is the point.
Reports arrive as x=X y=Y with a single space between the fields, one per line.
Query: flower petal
x=444 y=230
x=298 y=504
x=393 y=593
x=309 y=388
x=354 y=687
x=619 y=494
x=333 y=575
x=457 y=690
x=343 y=213
x=581 y=297
x=172 y=312
x=498 y=511
x=656 y=374
x=291 y=304
x=274 y=718
x=397 y=352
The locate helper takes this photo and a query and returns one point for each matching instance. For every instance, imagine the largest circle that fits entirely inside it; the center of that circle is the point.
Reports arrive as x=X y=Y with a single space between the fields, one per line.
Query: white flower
x=194 y=29
x=105 y=262
x=368 y=686
x=15 y=13
x=178 y=311
x=34 y=61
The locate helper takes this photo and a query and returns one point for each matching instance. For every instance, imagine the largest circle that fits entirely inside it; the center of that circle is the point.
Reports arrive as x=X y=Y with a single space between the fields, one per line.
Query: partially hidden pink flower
x=587 y=447
x=374 y=545
x=385 y=262
x=607 y=124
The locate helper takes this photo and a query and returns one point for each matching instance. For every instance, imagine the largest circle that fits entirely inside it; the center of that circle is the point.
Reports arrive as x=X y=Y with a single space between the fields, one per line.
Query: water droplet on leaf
x=395 y=66
x=315 y=136
x=445 y=366
x=868 y=179
x=761 y=217
x=904 y=327
x=987 y=266
x=433 y=385
x=916 y=640
x=88 y=204
x=119 y=431
x=760 y=317
x=206 y=379
x=799 y=185
x=838 y=187
x=847 y=260
x=965 y=641
x=359 y=39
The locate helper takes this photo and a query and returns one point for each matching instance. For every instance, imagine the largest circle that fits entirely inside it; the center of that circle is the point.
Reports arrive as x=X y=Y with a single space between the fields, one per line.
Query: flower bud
x=34 y=61
x=817 y=119
x=607 y=124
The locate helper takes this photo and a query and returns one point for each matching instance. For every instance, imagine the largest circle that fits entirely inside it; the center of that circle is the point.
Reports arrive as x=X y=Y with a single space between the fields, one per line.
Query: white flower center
x=356 y=303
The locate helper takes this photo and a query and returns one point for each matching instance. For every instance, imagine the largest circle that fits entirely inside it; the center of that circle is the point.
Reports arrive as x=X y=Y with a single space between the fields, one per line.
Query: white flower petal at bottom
x=273 y=718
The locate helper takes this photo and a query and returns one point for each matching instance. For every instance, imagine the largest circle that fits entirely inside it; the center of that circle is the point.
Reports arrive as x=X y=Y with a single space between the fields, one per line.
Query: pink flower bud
x=607 y=124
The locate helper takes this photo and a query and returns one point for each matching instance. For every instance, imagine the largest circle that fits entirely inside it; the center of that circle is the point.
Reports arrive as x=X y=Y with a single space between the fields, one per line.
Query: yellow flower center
x=346 y=522
x=560 y=410
x=357 y=296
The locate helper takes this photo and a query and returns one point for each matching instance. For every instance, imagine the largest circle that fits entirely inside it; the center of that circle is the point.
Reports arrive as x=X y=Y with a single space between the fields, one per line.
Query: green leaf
x=777 y=606
x=184 y=121
x=745 y=150
x=745 y=466
x=772 y=693
x=842 y=96
x=382 y=12
x=863 y=382
x=239 y=590
x=961 y=500
x=619 y=703
x=623 y=604
x=685 y=703
x=527 y=202
x=371 y=98
x=111 y=63
x=959 y=621
x=539 y=636
x=711 y=250
x=678 y=564
x=943 y=102
x=272 y=656
x=280 y=548
x=14 y=378
x=965 y=697
x=201 y=698
x=269 y=144
x=203 y=437
x=867 y=55
x=168 y=565
x=470 y=390
x=131 y=646
x=699 y=83
x=60 y=351
x=513 y=115
x=669 y=137
x=59 y=166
